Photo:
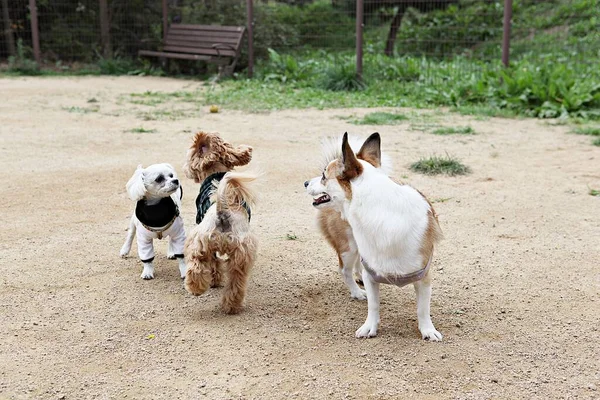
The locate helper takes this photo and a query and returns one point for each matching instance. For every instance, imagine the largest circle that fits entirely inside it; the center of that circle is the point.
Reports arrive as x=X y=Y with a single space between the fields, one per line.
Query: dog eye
x=159 y=179
x=170 y=175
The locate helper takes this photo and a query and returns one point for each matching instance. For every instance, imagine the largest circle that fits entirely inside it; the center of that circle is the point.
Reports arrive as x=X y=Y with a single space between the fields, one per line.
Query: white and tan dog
x=157 y=195
x=394 y=226
x=333 y=226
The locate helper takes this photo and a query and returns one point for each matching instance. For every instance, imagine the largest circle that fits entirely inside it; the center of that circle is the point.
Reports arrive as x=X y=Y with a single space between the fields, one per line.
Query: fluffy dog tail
x=234 y=191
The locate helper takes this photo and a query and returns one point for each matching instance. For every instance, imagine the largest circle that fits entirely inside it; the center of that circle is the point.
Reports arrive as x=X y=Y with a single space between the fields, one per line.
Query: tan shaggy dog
x=221 y=243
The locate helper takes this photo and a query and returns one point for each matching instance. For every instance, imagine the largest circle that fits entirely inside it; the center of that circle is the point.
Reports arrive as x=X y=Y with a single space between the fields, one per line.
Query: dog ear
x=371 y=150
x=351 y=165
x=195 y=156
x=135 y=186
x=239 y=156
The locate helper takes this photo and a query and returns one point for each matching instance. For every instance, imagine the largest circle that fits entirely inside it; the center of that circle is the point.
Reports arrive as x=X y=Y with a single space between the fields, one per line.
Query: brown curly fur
x=222 y=245
x=209 y=153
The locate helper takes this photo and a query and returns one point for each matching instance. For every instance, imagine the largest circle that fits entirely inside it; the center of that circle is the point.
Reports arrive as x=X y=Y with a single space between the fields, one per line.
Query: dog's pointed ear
x=371 y=150
x=135 y=186
x=195 y=156
x=351 y=165
x=239 y=156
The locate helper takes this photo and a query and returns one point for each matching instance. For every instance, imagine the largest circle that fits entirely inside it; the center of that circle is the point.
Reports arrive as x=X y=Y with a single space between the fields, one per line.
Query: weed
x=590 y=131
x=21 y=63
x=81 y=110
x=341 y=77
x=594 y=192
x=596 y=142
x=291 y=236
x=141 y=130
x=449 y=130
x=441 y=200
x=440 y=165
x=380 y=118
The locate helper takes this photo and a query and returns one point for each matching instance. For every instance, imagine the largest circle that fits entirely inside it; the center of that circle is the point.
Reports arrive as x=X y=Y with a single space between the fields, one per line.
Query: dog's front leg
x=148 y=272
x=369 y=328
x=423 y=290
x=350 y=261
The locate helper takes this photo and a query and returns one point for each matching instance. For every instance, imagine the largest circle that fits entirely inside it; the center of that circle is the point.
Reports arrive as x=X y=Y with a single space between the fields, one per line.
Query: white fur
x=143 y=184
x=332 y=150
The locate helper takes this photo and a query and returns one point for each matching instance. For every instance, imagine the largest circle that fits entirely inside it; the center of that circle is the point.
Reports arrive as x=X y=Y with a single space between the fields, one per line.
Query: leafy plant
x=590 y=131
x=141 y=130
x=21 y=62
x=342 y=77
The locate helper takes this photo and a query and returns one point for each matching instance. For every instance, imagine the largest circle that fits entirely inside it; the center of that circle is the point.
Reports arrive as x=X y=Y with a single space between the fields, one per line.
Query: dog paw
x=147 y=273
x=368 y=330
x=431 y=334
x=359 y=294
x=124 y=252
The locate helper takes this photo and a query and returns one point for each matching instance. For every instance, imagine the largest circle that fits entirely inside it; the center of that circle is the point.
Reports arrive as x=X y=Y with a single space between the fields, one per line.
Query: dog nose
x=306 y=184
x=175 y=182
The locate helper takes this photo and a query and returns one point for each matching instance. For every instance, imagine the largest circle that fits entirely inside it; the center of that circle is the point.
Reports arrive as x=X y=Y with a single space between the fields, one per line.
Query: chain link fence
x=71 y=30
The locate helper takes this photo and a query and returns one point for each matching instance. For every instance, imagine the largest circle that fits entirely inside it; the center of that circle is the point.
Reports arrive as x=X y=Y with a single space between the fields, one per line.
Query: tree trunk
x=10 y=40
x=394 y=28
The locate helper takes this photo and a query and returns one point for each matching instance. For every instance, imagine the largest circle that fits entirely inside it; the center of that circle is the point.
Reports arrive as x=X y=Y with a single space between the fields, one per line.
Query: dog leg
x=358 y=268
x=369 y=328
x=198 y=275
x=217 y=275
x=148 y=272
x=182 y=266
x=239 y=264
x=170 y=250
x=129 y=240
x=349 y=261
x=423 y=291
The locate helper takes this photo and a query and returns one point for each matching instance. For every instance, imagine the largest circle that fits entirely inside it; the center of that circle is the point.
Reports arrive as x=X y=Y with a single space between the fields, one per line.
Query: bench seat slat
x=210 y=34
x=218 y=28
x=200 y=39
x=196 y=50
x=174 y=55
x=201 y=45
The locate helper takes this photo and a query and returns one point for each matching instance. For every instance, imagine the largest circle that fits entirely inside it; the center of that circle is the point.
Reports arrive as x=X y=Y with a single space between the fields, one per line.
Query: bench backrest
x=210 y=40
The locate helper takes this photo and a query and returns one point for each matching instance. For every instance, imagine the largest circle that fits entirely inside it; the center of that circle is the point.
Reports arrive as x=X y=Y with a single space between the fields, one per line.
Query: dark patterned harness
x=203 y=201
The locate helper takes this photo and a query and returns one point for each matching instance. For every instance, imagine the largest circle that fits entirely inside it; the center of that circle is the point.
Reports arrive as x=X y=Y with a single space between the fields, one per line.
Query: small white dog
x=394 y=226
x=333 y=226
x=157 y=193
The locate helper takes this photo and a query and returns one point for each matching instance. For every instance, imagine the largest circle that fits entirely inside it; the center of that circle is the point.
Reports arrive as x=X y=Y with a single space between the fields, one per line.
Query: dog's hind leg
x=130 y=236
x=200 y=264
x=241 y=259
x=348 y=262
x=423 y=291
x=369 y=328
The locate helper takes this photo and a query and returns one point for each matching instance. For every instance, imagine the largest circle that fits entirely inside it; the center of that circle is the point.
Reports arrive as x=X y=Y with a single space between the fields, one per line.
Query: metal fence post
x=506 y=31
x=105 y=30
x=250 y=23
x=359 y=38
x=35 y=34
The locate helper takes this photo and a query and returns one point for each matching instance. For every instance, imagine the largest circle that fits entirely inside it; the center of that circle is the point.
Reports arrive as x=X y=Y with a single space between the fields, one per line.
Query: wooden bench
x=211 y=43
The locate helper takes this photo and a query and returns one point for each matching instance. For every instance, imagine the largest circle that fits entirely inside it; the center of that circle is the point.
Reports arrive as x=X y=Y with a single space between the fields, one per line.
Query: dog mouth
x=324 y=198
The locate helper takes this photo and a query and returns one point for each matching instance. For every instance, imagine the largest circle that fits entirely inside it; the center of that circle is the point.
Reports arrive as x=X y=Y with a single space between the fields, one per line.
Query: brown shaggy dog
x=221 y=243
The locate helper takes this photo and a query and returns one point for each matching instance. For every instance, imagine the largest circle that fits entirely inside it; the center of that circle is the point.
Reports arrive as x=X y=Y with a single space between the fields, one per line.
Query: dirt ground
x=517 y=282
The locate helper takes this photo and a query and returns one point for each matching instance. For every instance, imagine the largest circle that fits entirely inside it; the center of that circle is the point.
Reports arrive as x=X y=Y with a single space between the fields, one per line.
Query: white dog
x=394 y=226
x=157 y=193
x=333 y=226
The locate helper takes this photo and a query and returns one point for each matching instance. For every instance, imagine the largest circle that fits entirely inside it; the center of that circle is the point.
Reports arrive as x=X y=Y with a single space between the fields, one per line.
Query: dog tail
x=234 y=192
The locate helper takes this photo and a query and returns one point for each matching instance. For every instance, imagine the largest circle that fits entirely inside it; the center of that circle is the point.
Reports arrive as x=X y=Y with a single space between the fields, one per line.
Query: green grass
x=587 y=130
x=596 y=142
x=380 y=118
x=141 y=130
x=594 y=192
x=451 y=130
x=436 y=165
x=81 y=110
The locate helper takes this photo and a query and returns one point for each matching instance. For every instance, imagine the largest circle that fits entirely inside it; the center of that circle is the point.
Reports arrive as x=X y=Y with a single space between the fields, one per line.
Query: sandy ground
x=516 y=290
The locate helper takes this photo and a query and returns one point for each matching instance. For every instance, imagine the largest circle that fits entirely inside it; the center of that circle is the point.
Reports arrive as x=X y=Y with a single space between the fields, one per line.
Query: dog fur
x=150 y=186
x=394 y=226
x=332 y=225
x=222 y=244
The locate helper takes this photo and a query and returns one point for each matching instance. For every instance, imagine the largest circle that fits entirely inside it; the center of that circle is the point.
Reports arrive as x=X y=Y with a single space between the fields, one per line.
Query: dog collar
x=203 y=201
x=158 y=217
x=398 y=280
